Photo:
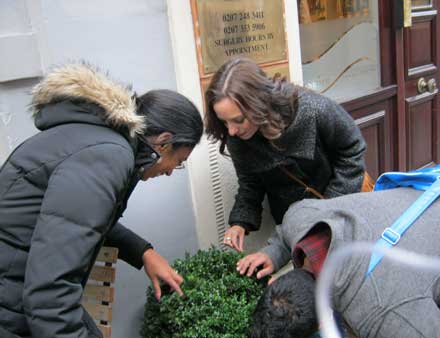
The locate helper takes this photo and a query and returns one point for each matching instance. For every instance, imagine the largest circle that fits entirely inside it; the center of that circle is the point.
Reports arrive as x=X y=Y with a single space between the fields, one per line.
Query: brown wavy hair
x=269 y=103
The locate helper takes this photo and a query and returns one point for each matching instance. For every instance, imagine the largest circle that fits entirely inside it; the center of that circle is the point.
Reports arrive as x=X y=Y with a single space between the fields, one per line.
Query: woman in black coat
x=63 y=190
x=285 y=141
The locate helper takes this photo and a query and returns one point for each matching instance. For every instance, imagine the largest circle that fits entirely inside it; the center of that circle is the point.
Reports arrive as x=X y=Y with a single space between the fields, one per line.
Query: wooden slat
x=98 y=311
x=107 y=254
x=106 y=330
x=95 y=293
x=99 y=293
x=103 y=274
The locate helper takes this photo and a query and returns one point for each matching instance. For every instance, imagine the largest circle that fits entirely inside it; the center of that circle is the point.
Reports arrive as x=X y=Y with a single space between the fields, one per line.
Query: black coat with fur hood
x=61 y=194
x=323 y=147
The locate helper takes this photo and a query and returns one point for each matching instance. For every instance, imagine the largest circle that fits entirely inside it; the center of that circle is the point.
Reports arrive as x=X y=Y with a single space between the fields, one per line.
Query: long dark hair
x=269 y=103
x=168 y=111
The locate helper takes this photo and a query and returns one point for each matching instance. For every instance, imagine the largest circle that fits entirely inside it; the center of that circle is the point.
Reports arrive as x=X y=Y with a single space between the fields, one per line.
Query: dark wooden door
x=417 y=60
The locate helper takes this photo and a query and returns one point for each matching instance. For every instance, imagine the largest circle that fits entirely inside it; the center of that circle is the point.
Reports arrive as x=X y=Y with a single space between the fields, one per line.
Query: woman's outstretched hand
x=249 y=263
x=158 y=269
x=234 y=237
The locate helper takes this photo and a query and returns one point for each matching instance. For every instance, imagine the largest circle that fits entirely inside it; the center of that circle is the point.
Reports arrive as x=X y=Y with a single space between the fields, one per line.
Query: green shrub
x=218 y=301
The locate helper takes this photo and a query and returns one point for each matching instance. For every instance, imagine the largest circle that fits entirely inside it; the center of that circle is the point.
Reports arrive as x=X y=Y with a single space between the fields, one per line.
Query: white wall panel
x=131 y=40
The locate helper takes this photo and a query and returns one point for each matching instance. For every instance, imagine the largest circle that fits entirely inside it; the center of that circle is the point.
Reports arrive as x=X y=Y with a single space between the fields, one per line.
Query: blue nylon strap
x=392 y=234
x=420 y=179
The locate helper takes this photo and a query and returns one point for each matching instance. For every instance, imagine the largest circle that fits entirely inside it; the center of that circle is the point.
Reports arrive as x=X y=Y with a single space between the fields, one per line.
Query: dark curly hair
x=287 y=308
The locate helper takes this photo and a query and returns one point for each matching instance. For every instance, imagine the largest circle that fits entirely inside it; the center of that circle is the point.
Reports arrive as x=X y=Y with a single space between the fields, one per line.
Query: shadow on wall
x=258 y=239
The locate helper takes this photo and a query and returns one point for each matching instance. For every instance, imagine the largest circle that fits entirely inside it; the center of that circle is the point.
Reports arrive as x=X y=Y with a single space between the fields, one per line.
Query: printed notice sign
x=231 y=28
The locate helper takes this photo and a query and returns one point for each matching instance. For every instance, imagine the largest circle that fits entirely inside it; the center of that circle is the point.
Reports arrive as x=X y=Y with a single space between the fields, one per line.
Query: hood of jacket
x=87 y=95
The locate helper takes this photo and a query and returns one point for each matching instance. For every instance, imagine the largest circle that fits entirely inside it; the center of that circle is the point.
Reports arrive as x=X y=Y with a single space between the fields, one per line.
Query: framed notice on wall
x=310 y=11
x=348 y=8
x=230 y=28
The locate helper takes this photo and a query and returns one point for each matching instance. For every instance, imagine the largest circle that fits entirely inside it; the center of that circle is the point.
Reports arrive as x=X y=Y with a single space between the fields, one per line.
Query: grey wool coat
x=395 y=300
x=323 y=147
x=61 y=194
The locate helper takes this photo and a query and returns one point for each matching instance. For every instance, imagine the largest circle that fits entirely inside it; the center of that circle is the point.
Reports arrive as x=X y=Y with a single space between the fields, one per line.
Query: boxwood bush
x=218 y=301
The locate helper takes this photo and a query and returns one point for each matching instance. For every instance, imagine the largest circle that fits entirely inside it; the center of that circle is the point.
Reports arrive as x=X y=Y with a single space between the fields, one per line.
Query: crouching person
x=63 y=191
x=393 y=301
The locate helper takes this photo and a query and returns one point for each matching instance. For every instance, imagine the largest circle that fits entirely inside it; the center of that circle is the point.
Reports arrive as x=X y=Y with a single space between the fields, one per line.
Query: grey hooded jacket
x=61 y=194
x=323 y=147
x=394 y=301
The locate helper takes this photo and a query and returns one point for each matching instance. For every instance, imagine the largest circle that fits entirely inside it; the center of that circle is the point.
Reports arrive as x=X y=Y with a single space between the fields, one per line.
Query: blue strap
x=420 y=179
x=392 y=234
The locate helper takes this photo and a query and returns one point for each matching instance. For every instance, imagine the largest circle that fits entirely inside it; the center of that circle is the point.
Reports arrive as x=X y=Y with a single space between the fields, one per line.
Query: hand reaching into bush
x=250 y=263
x=158 y=269
x=218 y=301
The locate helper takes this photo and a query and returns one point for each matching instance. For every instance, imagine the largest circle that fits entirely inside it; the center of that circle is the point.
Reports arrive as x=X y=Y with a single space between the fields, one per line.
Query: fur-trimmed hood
x=86 y=82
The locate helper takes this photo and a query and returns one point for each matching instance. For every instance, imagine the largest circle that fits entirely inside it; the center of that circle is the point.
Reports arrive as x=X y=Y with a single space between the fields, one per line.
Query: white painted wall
x=131 y=39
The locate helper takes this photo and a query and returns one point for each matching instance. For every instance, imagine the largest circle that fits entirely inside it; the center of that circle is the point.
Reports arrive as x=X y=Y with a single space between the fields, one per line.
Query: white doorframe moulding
x=293 y=41
x=203 y=165
x=187 y=78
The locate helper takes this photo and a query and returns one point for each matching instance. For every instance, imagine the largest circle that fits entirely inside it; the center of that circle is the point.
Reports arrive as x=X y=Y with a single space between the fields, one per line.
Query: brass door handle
x=432 y=85
x=423 y=86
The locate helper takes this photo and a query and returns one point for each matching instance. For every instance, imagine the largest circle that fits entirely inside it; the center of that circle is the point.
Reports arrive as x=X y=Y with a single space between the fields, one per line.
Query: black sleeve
x=131 y=246
x=346 y=147
x=247 y=208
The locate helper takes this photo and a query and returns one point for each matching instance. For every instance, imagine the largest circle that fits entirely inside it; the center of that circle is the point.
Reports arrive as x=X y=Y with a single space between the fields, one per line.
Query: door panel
x=419 y=43
x=375 y=114
x=417 y=4
x=373 y=130
x=421 y=134
x=420 y=47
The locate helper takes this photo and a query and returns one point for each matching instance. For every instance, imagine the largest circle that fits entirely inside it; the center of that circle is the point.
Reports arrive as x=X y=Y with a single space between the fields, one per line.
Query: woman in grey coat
x=63 y=190
x=285 y=142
